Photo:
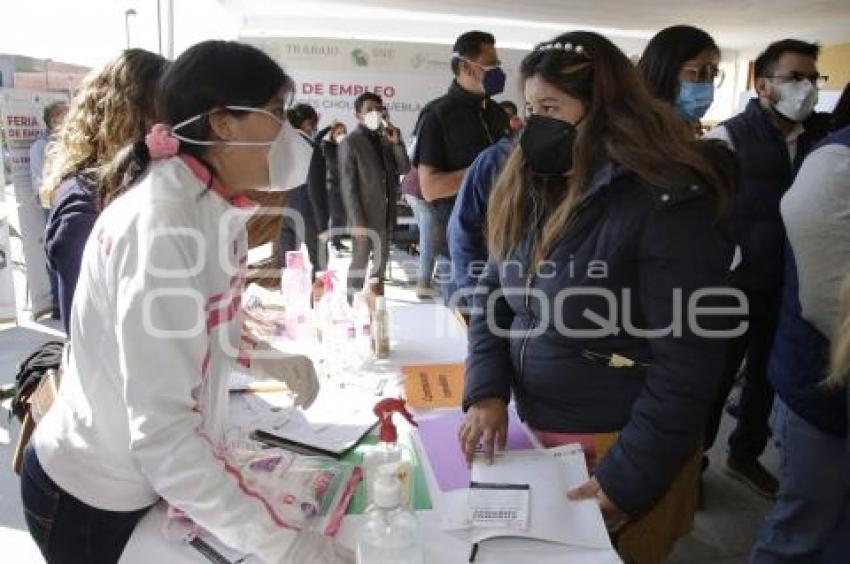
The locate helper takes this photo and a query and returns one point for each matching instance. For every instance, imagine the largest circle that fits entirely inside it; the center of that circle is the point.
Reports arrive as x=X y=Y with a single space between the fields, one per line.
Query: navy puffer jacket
x=626 y=255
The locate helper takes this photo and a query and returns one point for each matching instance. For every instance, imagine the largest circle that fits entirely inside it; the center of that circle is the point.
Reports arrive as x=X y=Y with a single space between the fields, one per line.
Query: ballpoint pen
x=208 y=551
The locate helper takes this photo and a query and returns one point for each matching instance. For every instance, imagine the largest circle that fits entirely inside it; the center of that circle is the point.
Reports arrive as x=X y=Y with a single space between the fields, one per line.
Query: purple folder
x=442 y=448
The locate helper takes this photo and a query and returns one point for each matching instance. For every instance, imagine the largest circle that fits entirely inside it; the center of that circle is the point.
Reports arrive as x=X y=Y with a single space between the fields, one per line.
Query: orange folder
x=433 y=385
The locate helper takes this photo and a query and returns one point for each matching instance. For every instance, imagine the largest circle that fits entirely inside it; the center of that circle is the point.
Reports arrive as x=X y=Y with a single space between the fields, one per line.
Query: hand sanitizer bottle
x=388 y=450
x=390 y=533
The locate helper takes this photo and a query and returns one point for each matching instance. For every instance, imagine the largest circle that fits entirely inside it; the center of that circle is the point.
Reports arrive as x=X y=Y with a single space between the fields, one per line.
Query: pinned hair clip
x=161 y=144
x=563 y=47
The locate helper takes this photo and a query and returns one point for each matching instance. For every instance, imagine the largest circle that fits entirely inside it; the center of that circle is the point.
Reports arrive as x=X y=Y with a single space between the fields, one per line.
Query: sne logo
x=360 y=57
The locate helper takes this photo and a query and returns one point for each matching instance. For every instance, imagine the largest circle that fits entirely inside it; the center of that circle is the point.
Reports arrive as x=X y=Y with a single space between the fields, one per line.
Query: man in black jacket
x=330 y=148
x=311 y=199
x=456 y=127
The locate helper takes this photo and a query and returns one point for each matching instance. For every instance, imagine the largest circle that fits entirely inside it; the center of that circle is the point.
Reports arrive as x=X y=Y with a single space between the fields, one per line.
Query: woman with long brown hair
x=116 y=105
x=604 y=225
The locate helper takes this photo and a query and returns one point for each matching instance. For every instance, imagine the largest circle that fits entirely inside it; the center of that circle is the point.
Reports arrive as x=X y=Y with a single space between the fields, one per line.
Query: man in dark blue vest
x=771 y=137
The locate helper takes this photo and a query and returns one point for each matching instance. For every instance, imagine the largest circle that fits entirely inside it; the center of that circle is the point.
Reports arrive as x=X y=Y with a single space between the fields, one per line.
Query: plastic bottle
x=375 y=289
x=387 y=450
x=297 y=289
x=318 y=289
x=363 y=326
x=335 y=326
x=381 y=329
x=389 y=533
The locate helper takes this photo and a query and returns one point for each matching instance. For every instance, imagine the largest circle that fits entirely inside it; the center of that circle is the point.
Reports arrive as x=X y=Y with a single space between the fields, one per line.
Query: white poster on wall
x=21 y=112
x=331 y=73
x=7 y=289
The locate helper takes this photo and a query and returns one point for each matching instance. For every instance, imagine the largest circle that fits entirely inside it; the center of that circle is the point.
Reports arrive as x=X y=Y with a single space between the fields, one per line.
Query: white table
x=421 y=333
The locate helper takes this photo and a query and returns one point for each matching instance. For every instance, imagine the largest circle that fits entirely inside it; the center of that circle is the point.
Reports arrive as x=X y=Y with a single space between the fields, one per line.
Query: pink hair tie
x=160 y=143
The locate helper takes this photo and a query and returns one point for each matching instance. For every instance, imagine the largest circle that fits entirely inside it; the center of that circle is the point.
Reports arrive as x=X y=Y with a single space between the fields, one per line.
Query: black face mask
x=547 y=144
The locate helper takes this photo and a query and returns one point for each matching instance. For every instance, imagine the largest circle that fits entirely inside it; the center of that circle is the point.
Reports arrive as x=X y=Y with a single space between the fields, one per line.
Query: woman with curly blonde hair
x=116 y=105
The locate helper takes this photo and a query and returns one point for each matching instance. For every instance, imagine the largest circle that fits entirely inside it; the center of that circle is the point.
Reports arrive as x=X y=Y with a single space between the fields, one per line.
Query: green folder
x=421 y=498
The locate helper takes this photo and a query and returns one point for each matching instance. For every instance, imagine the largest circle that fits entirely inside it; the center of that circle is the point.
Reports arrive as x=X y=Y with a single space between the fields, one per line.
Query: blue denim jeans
x=814 y=493
x=66 y=530
x=442 y=210
x=428 y=243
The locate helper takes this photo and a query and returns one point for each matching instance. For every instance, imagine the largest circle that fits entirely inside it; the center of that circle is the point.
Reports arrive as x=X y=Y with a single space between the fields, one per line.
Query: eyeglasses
x=817 y=79
x=705 y=73
x=485 y=68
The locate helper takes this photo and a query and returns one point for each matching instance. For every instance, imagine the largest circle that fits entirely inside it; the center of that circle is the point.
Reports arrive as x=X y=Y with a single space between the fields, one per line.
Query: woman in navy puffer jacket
x=606 y=237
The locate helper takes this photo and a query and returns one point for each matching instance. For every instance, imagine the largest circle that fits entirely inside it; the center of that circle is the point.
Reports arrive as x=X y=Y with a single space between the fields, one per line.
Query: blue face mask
x=494 y=81
x=694 y=99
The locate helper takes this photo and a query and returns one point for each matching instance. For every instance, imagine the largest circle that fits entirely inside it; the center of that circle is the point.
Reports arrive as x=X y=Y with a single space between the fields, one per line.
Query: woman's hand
x=487 y=422
x=614 y=518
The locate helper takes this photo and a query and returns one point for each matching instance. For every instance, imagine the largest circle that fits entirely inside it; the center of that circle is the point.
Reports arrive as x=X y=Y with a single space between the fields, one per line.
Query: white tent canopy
x=90 y=31
x=100 y=28
x=740 y=26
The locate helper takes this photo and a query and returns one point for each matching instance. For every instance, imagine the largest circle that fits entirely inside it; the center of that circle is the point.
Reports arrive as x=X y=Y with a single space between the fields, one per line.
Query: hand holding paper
x=615 y=519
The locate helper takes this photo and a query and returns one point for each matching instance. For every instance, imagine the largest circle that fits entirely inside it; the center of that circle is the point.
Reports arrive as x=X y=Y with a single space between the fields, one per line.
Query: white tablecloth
x=421 y=333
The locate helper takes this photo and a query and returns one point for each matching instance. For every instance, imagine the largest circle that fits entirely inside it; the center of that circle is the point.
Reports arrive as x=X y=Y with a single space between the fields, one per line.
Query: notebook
x=334 y=424
x=544 y=476
x=438 y=437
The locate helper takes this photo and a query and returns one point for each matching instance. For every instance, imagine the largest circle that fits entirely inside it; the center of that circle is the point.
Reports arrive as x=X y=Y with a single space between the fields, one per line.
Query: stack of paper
x=548 y=475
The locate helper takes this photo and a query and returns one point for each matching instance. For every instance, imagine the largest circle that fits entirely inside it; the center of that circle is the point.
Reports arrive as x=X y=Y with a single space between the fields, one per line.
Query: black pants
x=67 y=530
x=339 y=220
x=747 y=441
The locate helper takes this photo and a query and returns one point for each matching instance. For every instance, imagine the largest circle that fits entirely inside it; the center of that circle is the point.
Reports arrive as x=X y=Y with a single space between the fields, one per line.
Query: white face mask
x=797 y=99
x=289 y=152
x=373 y=120
x=339 y=138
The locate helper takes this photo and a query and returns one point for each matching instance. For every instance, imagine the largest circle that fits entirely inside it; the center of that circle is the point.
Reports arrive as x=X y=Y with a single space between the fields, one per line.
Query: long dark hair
x=665 y=54
x=623 y=123
x=209 y=76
